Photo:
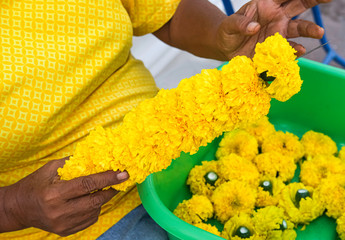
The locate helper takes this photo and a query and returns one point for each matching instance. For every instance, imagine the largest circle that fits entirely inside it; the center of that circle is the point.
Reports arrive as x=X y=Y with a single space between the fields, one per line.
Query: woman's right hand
x=44 y=201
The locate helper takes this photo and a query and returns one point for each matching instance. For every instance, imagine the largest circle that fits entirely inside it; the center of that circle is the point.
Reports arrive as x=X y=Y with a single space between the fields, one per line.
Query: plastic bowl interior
x=320 y=106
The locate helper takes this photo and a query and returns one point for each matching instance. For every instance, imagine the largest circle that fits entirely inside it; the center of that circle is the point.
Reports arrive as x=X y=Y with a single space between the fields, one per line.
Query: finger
x=87 y=184
x=82 y=210
x=304 y=28
x=237 y=23
x=77 y=224
x=251 y=10
x=298 y=47
x=295 y=7
x=93 y=201
x=82 y=226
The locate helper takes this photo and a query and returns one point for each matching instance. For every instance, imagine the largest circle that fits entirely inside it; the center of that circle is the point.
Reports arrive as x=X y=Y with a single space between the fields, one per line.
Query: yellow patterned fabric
x=66 y=67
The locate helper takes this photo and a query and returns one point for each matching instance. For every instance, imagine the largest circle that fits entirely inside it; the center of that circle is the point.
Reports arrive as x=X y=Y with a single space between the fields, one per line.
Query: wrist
x=194 y=28
x=8 y=217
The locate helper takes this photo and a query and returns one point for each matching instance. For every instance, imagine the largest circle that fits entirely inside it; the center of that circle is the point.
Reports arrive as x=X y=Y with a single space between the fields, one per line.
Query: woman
x=66 y=67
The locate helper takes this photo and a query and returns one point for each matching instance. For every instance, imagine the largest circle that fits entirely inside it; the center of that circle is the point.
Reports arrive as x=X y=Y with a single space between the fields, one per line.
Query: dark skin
x=44 y=201
x=225 y=37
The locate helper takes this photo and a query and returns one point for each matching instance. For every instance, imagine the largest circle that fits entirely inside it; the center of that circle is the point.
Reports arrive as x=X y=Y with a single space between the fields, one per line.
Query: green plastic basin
x=320 y=106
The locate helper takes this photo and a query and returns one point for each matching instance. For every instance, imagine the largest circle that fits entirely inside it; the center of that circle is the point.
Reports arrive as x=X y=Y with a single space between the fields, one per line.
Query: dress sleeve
x=148 y=16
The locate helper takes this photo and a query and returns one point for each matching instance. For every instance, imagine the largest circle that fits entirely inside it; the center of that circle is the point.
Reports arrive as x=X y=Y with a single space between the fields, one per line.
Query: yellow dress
x=66 y=67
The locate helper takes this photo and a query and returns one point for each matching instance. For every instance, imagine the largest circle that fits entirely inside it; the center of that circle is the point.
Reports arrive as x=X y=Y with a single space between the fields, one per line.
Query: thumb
x=240 y=24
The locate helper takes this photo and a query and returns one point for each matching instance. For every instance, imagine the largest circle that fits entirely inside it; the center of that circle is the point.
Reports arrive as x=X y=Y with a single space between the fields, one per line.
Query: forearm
x=193 y=28
x=7 y=223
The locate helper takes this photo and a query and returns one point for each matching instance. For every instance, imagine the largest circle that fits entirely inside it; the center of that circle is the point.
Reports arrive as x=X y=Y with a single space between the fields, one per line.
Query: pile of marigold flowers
x=200 y=109
x=248 y=186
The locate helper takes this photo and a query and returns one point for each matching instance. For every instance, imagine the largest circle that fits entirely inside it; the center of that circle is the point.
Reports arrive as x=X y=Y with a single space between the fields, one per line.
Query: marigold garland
x=341 y=227
x=192 y=115
x=279 y=63
x=341 y=153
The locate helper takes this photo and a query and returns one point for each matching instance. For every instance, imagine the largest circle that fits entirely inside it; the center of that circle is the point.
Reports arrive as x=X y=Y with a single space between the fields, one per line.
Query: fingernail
x=322 y=29
x=122 y=176
x=251 y=26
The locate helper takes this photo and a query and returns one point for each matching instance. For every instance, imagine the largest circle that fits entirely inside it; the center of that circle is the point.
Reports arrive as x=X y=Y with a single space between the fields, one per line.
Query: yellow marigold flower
x=194 y=210
x=208 y=227
x=260 y=129
x=269 y=195
x=276 y=57
x=286 y=143
x=240 y=142
x=232 y=228
x=315 y=169
x=276 y=165
x=234 y=167
x=289 y=234
x=272 y=222
x=332 y=195
x=316 y=143
x=231 y=198
x=199 y=109
x=341 y=227
x=301 y=210
x=174 y=121
x=92 y=155
x=240 y=77
x=196 y=178
x=268 y=218
x=341 y=153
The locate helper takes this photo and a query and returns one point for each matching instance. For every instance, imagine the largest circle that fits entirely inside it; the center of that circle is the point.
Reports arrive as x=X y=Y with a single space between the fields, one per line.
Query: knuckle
x=96 y=201
x=88 y=184
x=50 y=195
x=242 y=25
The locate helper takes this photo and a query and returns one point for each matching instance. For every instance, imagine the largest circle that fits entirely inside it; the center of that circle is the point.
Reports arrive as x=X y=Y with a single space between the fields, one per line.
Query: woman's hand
x=258 y=19
x=201 y=28
x=43 y=201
